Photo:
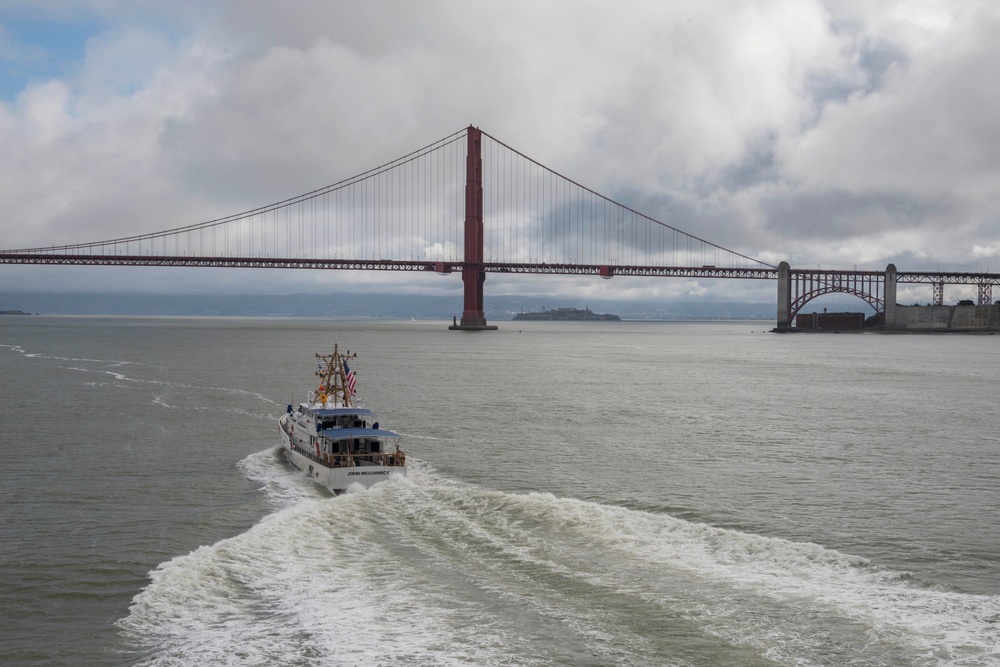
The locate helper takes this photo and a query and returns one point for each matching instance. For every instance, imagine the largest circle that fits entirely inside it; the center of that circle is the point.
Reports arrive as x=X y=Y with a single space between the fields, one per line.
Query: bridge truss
x=797 y=287
x=937 y=280
x=807 y=285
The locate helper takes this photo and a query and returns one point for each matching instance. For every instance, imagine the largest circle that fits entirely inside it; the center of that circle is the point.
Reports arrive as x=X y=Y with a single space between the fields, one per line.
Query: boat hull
x=337 y=480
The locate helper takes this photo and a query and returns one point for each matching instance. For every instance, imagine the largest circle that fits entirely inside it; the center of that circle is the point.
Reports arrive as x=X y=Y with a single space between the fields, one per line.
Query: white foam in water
x=283 y=485
x=950 y=628
x=121 y=377
x=38 y=355
x=390 y=575
x=300 y=587
x=158 y=400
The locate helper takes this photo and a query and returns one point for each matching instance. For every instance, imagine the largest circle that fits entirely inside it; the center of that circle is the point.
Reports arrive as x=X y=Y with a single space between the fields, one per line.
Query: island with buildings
x=567 y=315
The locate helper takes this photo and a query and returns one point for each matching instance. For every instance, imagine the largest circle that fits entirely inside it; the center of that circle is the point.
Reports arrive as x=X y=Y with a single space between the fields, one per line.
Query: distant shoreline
x=352 y=305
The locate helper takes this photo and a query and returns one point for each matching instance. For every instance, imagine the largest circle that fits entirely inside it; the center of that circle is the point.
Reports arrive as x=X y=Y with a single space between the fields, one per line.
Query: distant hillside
x=402 y=306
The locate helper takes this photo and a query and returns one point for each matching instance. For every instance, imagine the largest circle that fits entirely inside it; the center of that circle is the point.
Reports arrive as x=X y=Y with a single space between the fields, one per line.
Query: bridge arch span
x=872 y=300
x=797 y=287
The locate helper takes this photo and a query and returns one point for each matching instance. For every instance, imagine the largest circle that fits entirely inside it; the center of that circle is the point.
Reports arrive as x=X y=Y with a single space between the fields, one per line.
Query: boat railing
x=391 y=459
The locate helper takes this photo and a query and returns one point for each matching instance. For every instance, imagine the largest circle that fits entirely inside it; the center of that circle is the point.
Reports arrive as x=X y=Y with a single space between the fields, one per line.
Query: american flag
x=351 y=380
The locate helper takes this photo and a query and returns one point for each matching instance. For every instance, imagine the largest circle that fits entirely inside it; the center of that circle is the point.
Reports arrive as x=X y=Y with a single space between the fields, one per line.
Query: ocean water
x=580 y=494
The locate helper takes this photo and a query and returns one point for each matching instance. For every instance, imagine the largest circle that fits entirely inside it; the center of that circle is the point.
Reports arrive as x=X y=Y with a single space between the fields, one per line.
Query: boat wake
x=423 y=570
x=105 y=367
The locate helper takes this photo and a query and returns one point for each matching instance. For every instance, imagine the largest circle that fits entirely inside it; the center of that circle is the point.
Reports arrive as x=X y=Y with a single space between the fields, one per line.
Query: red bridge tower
x=473 y=275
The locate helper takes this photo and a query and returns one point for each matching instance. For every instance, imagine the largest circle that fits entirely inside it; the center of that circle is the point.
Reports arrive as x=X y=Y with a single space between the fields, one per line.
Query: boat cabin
x=343 y=436
x=327 y=418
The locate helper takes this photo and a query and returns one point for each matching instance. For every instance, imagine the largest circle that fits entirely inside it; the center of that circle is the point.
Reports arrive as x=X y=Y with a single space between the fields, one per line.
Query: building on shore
x=830 y=321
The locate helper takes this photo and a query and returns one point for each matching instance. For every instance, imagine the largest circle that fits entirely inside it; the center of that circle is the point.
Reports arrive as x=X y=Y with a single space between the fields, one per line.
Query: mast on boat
x=333 y=386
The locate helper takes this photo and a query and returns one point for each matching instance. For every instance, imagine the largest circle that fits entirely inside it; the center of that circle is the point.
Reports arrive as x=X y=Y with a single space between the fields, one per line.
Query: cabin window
x=376 y=447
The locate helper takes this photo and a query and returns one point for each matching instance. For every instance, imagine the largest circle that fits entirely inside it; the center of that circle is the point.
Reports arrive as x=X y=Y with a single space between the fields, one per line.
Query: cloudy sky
x=835 y=134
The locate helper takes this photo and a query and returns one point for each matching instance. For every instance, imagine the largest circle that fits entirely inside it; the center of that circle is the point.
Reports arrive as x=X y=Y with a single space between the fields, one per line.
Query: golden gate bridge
x=472 y=205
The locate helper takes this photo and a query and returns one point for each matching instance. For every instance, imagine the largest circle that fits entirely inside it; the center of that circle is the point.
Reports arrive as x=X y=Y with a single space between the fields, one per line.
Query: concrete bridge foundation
x=784 y=296
x=889 y=297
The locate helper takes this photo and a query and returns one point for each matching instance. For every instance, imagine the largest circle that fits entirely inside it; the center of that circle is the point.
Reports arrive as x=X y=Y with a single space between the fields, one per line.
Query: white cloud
x=927 y=133
x=985 y=251
x=835 y=133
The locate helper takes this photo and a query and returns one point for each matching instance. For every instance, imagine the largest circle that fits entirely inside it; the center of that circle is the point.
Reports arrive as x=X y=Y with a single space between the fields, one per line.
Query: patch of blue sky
x=35 y=50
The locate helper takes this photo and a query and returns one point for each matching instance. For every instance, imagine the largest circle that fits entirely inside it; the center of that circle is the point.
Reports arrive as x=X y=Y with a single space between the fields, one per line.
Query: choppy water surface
x=581 y=494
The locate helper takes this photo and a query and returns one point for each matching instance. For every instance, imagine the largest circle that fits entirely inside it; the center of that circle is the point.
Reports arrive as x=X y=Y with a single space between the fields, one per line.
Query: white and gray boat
x=333 y=440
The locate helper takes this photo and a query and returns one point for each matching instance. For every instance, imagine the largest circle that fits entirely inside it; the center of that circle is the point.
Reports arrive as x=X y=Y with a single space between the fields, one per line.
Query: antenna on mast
x=333 y=387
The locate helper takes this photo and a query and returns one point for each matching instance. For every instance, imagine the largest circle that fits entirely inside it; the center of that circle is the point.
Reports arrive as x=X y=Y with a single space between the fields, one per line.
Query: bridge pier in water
x=784 y=297
x=473 y=275
x=889 y=297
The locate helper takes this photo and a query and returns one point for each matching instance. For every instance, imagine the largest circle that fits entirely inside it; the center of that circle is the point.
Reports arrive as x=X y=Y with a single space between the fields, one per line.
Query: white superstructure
x=334 y=441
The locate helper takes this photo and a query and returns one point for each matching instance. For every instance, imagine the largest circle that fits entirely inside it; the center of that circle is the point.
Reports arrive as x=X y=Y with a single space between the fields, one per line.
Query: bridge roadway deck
x=446 y=267
x=914 y=277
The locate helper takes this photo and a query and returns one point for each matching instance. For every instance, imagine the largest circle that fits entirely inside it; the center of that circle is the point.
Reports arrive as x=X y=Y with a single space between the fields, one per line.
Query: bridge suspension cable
x=535 y=215
x=410 y=210
x=407 y=209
